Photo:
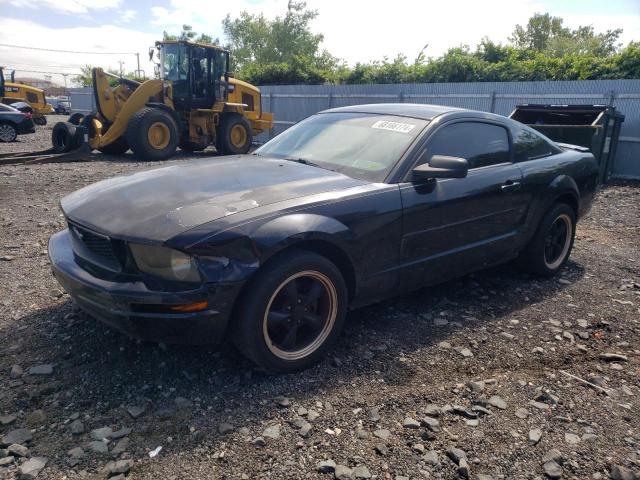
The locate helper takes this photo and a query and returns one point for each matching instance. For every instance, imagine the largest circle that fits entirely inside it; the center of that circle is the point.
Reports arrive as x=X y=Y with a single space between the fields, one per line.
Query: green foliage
x=85 y=79
x=285 y=51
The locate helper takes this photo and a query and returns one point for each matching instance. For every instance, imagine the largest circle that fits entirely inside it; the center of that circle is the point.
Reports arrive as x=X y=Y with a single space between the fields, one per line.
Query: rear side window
x=529 y=145
x=482 y=144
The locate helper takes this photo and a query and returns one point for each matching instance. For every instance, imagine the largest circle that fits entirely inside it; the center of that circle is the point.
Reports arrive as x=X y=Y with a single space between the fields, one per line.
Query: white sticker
x=393 y=126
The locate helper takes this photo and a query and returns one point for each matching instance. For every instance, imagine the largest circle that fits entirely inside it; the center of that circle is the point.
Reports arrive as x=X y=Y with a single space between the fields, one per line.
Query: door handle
x=510 y=186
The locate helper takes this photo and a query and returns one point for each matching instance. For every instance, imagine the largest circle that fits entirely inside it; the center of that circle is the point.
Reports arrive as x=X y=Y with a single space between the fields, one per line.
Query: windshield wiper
x=304 y=161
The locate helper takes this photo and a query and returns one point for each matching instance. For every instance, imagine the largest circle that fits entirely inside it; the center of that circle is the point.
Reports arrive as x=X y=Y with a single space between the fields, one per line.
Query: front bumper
x=118 y=304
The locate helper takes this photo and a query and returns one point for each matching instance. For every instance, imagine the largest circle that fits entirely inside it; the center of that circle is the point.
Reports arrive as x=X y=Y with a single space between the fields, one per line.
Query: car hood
x=159 y=204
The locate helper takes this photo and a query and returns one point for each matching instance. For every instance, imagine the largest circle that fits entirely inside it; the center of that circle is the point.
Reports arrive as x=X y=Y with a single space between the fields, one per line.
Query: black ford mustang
x=347 y=207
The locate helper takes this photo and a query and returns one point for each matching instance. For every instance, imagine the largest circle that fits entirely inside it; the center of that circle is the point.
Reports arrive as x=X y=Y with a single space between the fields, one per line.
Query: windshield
x=175 y=62
x=361 y=145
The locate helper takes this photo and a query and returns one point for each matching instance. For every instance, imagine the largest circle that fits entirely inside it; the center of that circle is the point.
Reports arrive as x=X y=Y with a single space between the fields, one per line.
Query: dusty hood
x=159 y=204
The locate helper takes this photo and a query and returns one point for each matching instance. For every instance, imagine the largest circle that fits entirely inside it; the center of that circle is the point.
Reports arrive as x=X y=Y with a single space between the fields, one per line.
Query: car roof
x=414 y=110
x=8 y=108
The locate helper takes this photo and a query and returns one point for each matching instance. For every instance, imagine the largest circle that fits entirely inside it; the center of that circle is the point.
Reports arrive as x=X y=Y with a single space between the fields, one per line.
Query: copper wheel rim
x=557 y=241
x=300 y=315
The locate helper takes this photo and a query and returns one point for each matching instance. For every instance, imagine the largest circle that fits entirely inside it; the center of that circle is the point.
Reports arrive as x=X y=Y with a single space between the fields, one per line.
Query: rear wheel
x=76 y=118
x=550 y=247
x=234 y=134
x=152 y=134
x=292 y=312
x=117 y=147
x=63 y=137
x=8 y=133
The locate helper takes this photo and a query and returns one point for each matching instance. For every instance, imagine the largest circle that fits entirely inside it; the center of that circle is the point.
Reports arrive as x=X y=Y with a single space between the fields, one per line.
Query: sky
x=354 y=30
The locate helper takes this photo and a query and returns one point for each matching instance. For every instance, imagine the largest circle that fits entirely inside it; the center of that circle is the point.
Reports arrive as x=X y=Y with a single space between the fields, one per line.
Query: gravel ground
x=466 y=378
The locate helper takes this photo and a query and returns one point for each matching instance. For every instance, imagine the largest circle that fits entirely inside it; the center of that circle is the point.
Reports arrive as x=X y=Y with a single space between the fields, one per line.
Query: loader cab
x=198 y=73
x=1 y=83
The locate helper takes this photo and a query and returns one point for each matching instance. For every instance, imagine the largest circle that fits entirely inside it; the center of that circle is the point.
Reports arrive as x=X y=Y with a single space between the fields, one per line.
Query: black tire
x=41 y=121
x=117 y=147
x=8 y=133
x=138 y=134
x=63 y=137
x=538 y=257
x=191 y=146
x=225 y=137
x=76 y=118
x=252 y=332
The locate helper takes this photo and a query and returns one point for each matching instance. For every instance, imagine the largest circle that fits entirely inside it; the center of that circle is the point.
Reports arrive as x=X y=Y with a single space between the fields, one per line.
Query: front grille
x=94 y=247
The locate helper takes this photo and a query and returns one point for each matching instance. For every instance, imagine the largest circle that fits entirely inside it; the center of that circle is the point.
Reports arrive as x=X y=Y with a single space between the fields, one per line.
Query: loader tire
x=117 y=147
x=76 y=118
x=63 y=137
x=152 y=134
x=234 y=135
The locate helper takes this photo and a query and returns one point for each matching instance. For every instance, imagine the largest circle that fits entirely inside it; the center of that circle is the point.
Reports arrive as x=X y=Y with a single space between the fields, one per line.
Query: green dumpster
x=596 y=127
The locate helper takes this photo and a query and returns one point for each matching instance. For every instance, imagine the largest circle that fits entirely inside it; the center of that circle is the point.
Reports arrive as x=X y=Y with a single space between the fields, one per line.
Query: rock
x=432 y=410
x=553 y=455
x=552 y=469
x=306 y=428
x=374 y=415
x=535 y=435
x=361 y=473
x=571 y=438
x=76 y=453
x=619 y=472
x=589 y=437
x=7 y=419
x=382 y=449
x=343 y=472
x=6 y=461
x=272 y=432
x=225 y=428
x=431 y=423
x=431 y=457
x=302 y=411
x=283 y=402
x=77 y=427
x=45 y=369
x=522 y=413
x=98 y=446
x=463 y=468
x=613 y=357
x=36 y=418
x=327 y=466
x=121 y=466
x=418 y=448
x=465 y=352
x=135 y=411
x=16 y=372
x=120 y=447
x=383 y=433
x=31 y=468
x=498 y=402
x=476 y=387
x=312 y=415
x=101 y=433
x=20 y=436
x=410 y=423
x=460 y=410
x=123 y=432
x=259 y=442
x=17 y=450
x=538 y=350
x=455 y=454
x=481 y=410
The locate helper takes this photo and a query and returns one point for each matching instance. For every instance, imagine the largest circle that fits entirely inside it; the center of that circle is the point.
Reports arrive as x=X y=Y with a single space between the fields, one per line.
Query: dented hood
x=159 y=204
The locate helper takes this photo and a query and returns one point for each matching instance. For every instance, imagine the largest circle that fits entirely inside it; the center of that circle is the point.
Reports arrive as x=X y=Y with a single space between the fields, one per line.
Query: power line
x=39 y=65
x=48 y=73
x=64 y=51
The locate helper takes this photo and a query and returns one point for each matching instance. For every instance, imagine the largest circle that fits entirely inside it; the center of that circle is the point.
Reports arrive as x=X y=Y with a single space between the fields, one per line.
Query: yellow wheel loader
x=194 y=104
x=12 y=92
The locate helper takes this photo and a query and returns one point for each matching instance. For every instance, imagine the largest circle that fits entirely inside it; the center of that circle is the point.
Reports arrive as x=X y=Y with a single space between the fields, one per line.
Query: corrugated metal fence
x=292 y=103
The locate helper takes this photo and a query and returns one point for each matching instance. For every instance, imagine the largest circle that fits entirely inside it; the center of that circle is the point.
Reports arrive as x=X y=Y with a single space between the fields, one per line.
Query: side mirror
x=441 y=166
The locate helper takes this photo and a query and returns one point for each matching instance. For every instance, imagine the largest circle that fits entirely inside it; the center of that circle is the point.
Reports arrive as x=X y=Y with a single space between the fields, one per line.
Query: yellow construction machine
x=195 y=103
x=12 y=92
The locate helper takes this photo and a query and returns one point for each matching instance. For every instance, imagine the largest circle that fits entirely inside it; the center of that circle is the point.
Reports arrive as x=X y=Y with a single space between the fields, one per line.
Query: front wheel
x=8 y=133
x=152 y=134
x=234 y=135
x=292 y=312
x=550 y=247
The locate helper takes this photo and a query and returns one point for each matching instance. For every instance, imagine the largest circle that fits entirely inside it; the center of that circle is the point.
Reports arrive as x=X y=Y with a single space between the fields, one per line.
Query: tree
x=283 y=44
x=85 y=78
x=187 y=34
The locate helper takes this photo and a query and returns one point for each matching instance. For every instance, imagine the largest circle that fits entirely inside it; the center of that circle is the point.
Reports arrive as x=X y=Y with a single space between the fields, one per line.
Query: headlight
x=165 y=263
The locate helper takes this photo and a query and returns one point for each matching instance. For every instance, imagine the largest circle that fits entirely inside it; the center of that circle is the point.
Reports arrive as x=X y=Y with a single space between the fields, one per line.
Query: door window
x=482 y=144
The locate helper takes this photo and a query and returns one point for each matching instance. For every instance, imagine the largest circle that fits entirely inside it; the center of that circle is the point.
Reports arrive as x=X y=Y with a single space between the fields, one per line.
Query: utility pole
x=139 y=73
x=66 y=92
x=121 y=63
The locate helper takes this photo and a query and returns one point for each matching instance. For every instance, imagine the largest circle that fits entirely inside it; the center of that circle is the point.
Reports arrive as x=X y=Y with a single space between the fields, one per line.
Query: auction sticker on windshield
x=393 y=126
